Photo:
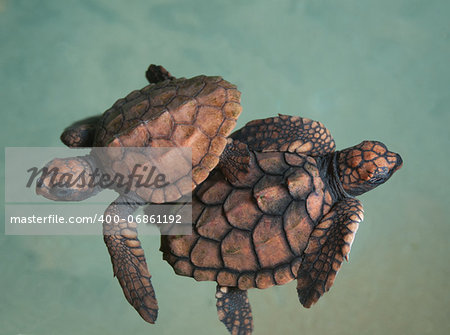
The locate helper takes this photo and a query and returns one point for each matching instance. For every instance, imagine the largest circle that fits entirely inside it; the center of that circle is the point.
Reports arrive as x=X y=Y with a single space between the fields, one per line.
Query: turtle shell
x=252 y=232
x=198 y=113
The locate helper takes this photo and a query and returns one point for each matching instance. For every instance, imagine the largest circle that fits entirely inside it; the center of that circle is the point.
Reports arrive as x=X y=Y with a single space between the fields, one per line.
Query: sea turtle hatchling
x=198 y=113
x=280 y=206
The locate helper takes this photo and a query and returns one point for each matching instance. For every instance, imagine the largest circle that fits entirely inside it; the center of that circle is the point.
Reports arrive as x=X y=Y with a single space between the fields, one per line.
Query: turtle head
x=67 y=179
x=365 y=166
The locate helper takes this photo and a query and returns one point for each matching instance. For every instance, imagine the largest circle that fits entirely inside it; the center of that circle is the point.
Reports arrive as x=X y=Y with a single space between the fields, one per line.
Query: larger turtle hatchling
x=280 y=206
x=198 y=113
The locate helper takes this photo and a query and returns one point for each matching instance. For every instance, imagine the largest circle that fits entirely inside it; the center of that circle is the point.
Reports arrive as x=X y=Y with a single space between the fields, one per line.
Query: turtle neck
x=328 y=168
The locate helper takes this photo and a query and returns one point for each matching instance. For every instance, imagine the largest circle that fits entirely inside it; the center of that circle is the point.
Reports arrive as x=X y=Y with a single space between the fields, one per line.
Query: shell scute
x=294 y=159
x=314 y=205
x=237 y=251
x=270 y=243
x=209 y=119
x=199 y=174
x=183 y=109
x=212 y=223
x=246 y=281
x=227 y=126
x=204 y=275
x=160 y=127
x=232 y=109
x=234 y=95
x=271 y=162
x=299 y=184
x=214 y=190
x=217 y=145
x=264 y=279
x=240 y=209
x=183 y=267
x=283 y=274
x=139 y=137
x=162 y=96
x=271 y=195
x=133 y=95
x=137 y=109
x=298 y=226
x=195 y=86
x=227 y=278
x=212 y=95
x=206 y=253
x=181 y=245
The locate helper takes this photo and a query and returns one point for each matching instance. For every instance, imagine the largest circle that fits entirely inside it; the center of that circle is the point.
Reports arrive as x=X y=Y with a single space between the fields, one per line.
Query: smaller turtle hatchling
x=280 y=206
x=198 y=113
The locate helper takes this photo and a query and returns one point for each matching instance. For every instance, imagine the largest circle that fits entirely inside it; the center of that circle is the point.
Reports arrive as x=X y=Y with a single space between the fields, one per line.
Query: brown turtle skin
x=280 y=206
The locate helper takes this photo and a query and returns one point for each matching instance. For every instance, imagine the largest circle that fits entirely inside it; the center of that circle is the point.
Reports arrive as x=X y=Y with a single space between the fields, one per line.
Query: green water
x=367 y=69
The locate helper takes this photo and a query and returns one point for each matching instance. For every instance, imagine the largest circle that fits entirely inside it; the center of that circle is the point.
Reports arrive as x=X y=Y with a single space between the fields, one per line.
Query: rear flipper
x=81 y=134
x=234 y=310
x=157 y=73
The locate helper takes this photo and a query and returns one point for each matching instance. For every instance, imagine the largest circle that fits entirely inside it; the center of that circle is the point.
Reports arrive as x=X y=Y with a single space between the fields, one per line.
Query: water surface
x=367 y=70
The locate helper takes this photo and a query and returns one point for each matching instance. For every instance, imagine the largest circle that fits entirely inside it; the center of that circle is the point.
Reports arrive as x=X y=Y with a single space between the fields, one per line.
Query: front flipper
x=234 y=310
x=128 y=259
x=329 y=244
x=287 y=133
x=157 y=73
x=81 y=133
